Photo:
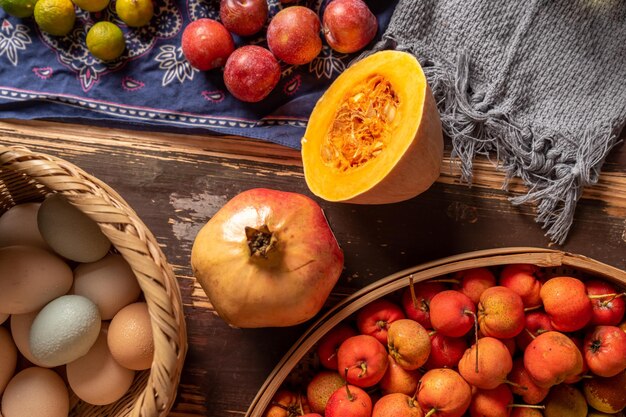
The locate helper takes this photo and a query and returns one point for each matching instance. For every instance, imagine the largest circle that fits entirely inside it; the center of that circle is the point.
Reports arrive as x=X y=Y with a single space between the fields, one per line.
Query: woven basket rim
x=546 y=258
x=136 y=243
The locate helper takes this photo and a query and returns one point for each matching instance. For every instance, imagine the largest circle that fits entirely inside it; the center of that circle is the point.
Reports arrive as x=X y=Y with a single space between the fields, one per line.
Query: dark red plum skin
x=207 y=44
x=293 y=35
x=243 y=17
x=349 y=25
x=251 y=73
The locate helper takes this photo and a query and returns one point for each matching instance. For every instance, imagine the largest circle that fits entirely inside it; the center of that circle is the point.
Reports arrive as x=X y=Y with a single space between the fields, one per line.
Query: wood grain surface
x=177 y=182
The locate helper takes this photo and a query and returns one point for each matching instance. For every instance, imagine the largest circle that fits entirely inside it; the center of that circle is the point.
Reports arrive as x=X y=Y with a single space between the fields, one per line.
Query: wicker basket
x=298 y=364
x=26 y=176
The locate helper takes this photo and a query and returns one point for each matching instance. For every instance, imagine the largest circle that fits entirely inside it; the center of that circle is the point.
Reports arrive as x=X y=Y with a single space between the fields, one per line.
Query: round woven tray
x=299 y=362
x=26 y=176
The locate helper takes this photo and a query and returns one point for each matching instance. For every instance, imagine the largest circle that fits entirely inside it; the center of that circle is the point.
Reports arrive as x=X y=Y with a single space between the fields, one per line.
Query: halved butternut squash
x=375 y=135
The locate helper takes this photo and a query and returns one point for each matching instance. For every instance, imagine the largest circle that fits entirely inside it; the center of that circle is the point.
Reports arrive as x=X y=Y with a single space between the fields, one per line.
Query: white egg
x=64 y=330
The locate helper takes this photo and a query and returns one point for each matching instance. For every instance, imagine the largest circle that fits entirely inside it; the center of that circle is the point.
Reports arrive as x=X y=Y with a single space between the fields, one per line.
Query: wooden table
x=176 y=183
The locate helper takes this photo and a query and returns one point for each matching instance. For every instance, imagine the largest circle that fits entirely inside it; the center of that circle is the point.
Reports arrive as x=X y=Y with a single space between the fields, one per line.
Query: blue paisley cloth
x=152 y=86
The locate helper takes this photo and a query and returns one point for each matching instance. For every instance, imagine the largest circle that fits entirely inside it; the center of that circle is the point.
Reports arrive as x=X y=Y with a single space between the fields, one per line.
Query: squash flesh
x=361 y=128
x=337 y=179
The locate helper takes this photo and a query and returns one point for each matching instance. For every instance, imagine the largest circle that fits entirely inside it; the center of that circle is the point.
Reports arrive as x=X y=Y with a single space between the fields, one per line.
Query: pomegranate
x=267 y=258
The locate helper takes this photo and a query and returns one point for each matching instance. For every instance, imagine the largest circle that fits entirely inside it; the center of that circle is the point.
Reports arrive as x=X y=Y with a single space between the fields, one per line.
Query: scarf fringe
x=554 y=165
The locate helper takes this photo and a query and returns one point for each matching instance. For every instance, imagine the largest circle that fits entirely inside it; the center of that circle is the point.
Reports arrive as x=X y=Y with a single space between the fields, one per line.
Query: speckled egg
x=64 y=330
x=130 y=337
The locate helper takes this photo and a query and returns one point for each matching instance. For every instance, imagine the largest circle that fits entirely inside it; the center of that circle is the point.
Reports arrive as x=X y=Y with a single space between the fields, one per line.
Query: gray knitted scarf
x=540 y=83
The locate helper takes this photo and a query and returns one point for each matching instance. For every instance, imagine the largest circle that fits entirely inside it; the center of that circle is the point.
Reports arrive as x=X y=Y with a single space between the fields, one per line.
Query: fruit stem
x=363 y=366
x=431 y=412
x=515 y=384
x=260 y=241
x=530 y=333
x=612 y=295
x=417 y=389
x=540 y=407
x=301 y=409
x=412 y=289
x=432 y=333
x=470 y=312
x=537 y=307
x=350 y=396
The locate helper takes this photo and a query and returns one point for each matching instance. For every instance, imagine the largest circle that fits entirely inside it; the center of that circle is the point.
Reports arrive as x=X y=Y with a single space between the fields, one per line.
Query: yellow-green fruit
x=105 y=41
x=55 y=17
x=92 y=5
x=606 y=394
x=321 y=387
x=19 y=8
x=135 y=13
x=565 y=401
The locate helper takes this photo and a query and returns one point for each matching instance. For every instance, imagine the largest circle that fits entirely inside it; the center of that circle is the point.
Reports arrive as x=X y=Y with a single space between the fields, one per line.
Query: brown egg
x=31 y=277
x=8 y=358
x=97 y=378
x=18 y=226
x=110 y=283
x=36 y=392
x=20 y=330
x=130 y=337
x=3 y=317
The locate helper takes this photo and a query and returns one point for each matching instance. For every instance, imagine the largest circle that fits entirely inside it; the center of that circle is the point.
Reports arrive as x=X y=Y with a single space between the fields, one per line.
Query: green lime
x=134 y=13
x=55 y=16
x=18 y=8
x=92 y=5
x=105 y=41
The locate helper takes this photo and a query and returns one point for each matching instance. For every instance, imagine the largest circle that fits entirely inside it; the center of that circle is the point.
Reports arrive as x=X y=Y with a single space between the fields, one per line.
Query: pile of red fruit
x=479 y=343
x=293 y=36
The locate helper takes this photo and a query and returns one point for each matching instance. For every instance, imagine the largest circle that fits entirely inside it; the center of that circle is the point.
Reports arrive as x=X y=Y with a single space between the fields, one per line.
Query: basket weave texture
x=26 y=176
